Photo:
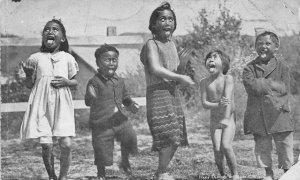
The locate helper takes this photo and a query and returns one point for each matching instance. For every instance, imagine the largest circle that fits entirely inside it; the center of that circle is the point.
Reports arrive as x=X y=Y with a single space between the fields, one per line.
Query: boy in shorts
x=106 y=94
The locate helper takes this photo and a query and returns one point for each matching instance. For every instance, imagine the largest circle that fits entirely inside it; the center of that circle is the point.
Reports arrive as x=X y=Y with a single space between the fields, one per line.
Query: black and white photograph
x=150 y=89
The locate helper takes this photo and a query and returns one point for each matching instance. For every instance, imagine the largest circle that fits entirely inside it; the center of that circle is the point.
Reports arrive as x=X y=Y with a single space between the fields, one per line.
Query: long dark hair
x=155 y=15
x=64 y=46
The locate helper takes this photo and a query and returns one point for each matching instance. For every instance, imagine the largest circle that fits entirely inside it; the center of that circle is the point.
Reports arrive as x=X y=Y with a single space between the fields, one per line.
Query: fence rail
x=78 y=104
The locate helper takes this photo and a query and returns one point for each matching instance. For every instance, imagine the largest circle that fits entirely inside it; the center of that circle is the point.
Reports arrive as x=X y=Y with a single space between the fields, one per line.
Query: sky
x=92 y=17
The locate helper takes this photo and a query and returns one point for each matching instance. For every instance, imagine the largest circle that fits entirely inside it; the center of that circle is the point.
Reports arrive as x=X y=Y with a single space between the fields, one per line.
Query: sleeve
x=91 y=93
x=253 y=85
x=126 y=100
x=72 y=67
x=286 y=76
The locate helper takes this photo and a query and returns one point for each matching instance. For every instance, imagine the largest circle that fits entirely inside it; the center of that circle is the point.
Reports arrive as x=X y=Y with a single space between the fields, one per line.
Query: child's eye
x=114 y=60
x=171 y=19
x=162 y=19
x=46 y=29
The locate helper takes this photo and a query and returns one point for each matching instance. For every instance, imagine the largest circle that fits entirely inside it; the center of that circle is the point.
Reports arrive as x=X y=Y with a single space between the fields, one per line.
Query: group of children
x=50 y=114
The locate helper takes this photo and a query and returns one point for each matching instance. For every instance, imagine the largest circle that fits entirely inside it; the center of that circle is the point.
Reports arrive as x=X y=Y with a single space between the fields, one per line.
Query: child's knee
x=46 y=146
x=227 y=147
x=217 y=149
x=65 y=143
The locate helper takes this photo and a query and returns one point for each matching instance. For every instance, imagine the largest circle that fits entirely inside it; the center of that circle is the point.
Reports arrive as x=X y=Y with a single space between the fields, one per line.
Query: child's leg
x=165 y=155
x=226 y=144
x=128 y=140
x=284 y=149
x=216 y=135
x=103 y=144
x=100 y=171
x=65 y=156
x=48 y=158
x=263 y=149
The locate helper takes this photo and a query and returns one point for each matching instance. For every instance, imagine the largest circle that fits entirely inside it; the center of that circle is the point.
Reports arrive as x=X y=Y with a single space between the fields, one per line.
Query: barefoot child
x=217 y=95
x=50 y=113
x=106 y=94
x=267 y=83
x=164 y=112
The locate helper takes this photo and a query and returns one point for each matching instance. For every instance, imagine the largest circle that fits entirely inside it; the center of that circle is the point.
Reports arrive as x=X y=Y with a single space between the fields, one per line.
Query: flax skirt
x=165 y=116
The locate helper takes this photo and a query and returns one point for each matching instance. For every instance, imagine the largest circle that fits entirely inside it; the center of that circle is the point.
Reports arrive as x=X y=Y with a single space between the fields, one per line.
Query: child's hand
x=184 y=57
x=59 y=82
x=224 y=101
x=276 y=86
x=29 y=70
x=133 y=108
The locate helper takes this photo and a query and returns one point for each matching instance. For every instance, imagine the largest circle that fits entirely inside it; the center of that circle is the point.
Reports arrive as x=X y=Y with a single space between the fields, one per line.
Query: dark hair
x=224 y=58
x=155 y=15
x=273 y=36
x=64 y=46
x=103 y=49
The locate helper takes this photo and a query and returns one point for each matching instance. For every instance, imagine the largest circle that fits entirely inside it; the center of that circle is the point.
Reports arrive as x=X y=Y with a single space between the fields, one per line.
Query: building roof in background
x=91 y=17
x=129 y=59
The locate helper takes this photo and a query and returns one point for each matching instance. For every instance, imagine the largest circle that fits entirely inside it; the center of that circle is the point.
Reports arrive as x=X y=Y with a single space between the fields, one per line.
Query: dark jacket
x=268 y=109
x=106 y=109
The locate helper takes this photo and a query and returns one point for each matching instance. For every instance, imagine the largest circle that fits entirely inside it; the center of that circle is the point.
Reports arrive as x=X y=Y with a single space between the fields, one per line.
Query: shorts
x=103 y=143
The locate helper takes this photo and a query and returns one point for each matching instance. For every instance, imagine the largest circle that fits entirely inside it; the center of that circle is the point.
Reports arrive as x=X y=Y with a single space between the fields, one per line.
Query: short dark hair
x=273 y=36
x=155 y=15
x=64 y=46
x=103 y=49
x=224 y=58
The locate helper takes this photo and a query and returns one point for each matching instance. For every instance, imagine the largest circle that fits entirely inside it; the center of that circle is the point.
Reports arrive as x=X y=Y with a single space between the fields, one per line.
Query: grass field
x=22 y=160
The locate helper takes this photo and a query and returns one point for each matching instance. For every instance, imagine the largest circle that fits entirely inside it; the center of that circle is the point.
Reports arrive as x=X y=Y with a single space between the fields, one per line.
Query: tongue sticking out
x=263 y=55
x=211 y=69
x=50 y=41
x=168 y=33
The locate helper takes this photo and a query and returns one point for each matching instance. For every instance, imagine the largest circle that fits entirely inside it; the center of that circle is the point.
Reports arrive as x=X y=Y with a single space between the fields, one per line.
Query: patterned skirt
x=165 y=116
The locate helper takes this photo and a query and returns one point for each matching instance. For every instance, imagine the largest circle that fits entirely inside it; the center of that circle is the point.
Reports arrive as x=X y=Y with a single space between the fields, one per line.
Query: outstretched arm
x=158 y=70
x=205 y=103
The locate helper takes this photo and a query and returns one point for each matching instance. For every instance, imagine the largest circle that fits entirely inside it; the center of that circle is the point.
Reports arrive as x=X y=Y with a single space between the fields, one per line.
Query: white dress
x=50 y=110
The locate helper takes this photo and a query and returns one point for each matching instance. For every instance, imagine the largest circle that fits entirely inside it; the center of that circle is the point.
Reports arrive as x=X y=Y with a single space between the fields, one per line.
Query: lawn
x=22 y=160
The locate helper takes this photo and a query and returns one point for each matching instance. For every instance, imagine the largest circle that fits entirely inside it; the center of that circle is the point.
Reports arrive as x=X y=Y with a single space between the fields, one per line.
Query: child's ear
x=62 y=40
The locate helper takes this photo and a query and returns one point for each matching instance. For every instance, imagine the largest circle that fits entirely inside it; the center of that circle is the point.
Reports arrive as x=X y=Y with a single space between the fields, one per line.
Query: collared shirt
x=105 y=96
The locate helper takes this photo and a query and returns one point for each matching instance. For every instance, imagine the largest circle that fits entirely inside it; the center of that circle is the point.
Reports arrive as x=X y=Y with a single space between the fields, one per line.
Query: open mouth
x=50 y=39
x=212 y=66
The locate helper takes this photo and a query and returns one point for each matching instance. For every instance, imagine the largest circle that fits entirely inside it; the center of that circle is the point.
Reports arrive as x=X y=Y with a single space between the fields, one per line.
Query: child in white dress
x=50 y=111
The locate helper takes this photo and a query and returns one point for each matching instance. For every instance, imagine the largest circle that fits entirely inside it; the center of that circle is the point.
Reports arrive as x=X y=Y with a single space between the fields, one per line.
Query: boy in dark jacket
x=267 y=83
x=106 y=94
